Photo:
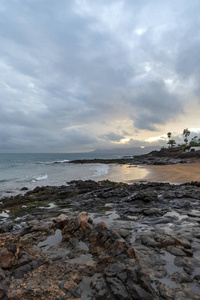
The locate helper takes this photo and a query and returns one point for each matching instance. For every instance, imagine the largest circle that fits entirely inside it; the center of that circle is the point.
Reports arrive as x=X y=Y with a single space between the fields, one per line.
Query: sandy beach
x=179 y=173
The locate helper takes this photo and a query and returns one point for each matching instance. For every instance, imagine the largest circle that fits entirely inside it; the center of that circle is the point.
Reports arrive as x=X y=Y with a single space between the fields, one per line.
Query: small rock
x=83 y=217
x=175 y=251
x=24 y=188
x=137 y=292
x=19 y=272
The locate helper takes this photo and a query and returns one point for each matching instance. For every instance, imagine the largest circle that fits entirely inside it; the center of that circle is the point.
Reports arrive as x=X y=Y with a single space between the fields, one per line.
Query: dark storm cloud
x=70 y=70
x=188 y=62
x=155 y=105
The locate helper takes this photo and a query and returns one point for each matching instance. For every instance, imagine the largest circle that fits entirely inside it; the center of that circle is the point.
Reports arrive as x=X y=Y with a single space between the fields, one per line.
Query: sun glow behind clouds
x=156 y=138
x=139 y=31
x=123 y=141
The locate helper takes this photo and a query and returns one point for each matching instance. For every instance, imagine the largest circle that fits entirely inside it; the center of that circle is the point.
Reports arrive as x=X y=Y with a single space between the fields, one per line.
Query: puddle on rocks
x=141 y=227
x=170 y=266
x=66 y=210
x=109 y=204
x=168 y=229
x=165 y=281
x=108 y=218
x=194 y=213
x=51 y=240
x=134 y=218
x=197 y=254
x=83 y=259
x=4 y=214
x=195 y=289
x=83 y=246
x=113 y=220
x=86 y=291
x=50 y=205
x=196 y=271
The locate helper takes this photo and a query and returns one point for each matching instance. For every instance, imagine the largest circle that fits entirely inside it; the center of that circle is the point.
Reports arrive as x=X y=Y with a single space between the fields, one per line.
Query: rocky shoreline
x=101 y=240
x=162 y=157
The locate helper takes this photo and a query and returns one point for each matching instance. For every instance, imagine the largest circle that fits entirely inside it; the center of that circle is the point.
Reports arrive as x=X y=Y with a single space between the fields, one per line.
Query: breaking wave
x=40 y=177
x=100 y=170
x=53 y=162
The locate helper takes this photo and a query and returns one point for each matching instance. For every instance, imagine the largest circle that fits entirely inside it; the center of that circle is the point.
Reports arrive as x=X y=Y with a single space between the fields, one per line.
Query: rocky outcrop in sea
x=101 y=240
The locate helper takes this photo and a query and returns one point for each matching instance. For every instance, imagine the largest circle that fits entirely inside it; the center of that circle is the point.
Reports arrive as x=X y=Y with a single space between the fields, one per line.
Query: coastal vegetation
x=195 y=141
x=171 y=143
x=186 y=133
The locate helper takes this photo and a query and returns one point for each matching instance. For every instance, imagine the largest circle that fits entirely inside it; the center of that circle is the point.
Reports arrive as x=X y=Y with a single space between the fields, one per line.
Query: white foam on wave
x=40 y=177
x=53 y=162
x=62 y=161
x=100 y=170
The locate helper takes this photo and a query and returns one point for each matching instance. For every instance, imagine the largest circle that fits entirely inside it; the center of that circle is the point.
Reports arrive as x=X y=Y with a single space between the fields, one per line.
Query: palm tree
x=186 y=133
x=169 y=136
x=172 y=143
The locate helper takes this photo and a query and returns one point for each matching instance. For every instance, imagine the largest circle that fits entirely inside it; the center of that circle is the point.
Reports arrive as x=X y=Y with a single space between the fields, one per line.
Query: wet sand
x=179 y=173
x=174 y=173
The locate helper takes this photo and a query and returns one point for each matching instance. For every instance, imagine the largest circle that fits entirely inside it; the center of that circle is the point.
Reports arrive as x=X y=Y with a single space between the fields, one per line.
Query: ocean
x=42 y=169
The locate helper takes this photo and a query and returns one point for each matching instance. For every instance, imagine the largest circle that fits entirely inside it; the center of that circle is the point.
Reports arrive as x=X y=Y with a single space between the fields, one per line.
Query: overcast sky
x=79 y=75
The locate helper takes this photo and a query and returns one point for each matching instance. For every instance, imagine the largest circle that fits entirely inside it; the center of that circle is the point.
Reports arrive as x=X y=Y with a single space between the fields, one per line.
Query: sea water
x=42 y=169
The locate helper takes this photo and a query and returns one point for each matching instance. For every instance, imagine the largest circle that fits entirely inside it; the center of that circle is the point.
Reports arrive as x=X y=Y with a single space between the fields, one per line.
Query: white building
x=195 y=148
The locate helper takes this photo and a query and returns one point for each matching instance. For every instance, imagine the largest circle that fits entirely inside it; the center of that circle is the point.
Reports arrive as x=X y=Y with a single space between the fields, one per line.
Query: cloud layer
x=80 y=75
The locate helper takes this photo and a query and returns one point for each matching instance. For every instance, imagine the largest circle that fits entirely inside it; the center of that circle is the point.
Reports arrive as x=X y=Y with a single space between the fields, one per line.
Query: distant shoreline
x=156 y=166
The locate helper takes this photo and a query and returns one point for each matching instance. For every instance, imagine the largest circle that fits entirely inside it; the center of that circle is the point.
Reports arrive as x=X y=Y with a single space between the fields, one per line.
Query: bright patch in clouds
x=124 y=141
x=194 y=129
x=139 y=31
x=156 y=138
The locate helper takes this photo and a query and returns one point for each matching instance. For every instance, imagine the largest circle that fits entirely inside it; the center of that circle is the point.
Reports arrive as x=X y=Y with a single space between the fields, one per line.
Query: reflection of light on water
x=108 y=218
x=133 y=173
x=51 y=240
x=165 y=281
x=170 y=266
x=50 y=205
x=132 y=217
x=125 y=173
x=108 y=204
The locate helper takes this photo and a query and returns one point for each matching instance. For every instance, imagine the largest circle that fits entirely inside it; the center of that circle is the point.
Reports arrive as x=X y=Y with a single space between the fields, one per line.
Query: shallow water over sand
x=125 y=173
